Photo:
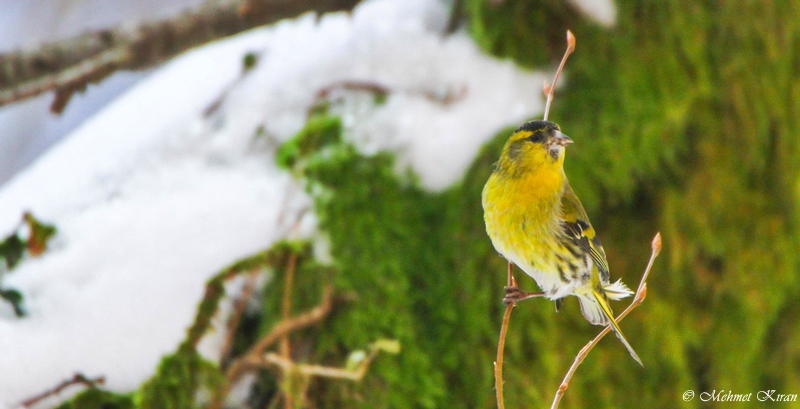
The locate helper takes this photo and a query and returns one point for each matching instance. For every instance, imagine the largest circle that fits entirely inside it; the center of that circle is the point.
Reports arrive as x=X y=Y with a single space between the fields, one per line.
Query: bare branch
x=285 y=327
x=70 y=65
x=641 y=293
x=550 y=90
x=286 y=308
x=448 y=96
x=76 y=379
x=288 y=365
x=253 y=357
x=238 y=311
x=285 y=346
x=501 y=345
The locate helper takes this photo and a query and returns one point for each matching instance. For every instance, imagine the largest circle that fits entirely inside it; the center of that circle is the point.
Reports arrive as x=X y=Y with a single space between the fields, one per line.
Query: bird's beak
x=561 y=139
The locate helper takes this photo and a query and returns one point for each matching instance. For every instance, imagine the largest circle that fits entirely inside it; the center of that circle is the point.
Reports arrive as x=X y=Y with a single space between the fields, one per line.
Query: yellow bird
x=537 y=222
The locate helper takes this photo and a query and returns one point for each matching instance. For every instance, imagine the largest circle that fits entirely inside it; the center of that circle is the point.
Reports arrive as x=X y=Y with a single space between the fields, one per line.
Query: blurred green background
x=685 y=120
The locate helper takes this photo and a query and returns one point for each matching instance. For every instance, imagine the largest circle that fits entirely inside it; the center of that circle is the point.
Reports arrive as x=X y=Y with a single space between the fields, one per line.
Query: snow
x=601 y=11
x=170 y=182
x=28 y=128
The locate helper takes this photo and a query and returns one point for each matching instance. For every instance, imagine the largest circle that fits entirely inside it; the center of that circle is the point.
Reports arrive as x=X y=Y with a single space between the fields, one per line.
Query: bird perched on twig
x=537 y=222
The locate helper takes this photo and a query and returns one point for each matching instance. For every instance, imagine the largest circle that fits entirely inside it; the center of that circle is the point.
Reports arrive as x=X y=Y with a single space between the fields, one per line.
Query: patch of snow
x=602 y=11
x=27 y=128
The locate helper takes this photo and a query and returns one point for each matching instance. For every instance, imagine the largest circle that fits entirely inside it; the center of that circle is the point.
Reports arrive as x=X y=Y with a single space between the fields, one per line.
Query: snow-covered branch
x=70 y=65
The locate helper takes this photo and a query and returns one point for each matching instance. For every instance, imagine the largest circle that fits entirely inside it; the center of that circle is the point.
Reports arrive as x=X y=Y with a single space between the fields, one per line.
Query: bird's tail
x=598 y=312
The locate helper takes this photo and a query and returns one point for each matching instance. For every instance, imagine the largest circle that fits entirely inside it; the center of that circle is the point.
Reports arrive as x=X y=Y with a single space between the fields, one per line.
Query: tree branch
x=70 y=65
x=501 y=345
x=253 y=357
x=285 y=346
x=287 y=365
x=76 y=379
x=641 y=293
x=238 y=311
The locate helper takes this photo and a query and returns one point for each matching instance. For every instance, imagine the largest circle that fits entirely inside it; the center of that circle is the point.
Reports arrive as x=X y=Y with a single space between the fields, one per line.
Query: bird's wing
x=578 y=229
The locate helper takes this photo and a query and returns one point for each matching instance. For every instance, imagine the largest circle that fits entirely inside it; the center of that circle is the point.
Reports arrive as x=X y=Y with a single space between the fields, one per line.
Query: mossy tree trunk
x=685 y=121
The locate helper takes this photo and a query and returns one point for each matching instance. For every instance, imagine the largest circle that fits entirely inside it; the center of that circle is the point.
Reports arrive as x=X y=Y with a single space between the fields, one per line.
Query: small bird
x=537 y=222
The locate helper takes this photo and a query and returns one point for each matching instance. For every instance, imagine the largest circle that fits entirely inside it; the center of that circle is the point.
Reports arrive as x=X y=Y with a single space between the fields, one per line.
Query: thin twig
x=550 y=90
x=236 y=317
x=450 y=95
x=354 y=85
x=285 y=347
x=253 y=356
x=286 y=307
x=288 y=366
x=641 y=293
x=501 y=345
x=293 y=324
x=75 y=380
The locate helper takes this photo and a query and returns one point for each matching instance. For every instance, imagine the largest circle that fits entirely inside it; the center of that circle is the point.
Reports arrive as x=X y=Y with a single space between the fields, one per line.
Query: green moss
x=95 y=398
x=310 y=278
x=13 y=297
x=684 y=118
x=355 y=196
x=249 y=61
x=40 y=234
x=215 y=291
x=532 y=32
x=12 y=250
x=177 y=381
x=320 y=130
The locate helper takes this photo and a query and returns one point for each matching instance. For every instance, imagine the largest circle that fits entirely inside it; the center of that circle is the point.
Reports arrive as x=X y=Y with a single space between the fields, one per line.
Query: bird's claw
x=515 y=295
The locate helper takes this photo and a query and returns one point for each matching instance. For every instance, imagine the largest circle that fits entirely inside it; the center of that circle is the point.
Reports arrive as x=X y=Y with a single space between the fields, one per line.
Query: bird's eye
x=537 y=137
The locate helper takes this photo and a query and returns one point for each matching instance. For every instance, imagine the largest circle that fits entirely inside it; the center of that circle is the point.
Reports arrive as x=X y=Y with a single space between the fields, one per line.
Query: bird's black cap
x=534 y=126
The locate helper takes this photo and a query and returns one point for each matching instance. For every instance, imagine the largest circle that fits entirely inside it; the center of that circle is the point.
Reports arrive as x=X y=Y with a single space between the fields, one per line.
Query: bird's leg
x=515 y=295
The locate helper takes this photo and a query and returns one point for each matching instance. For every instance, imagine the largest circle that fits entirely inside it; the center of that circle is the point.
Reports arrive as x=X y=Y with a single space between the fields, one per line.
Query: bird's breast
x=521 y=215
